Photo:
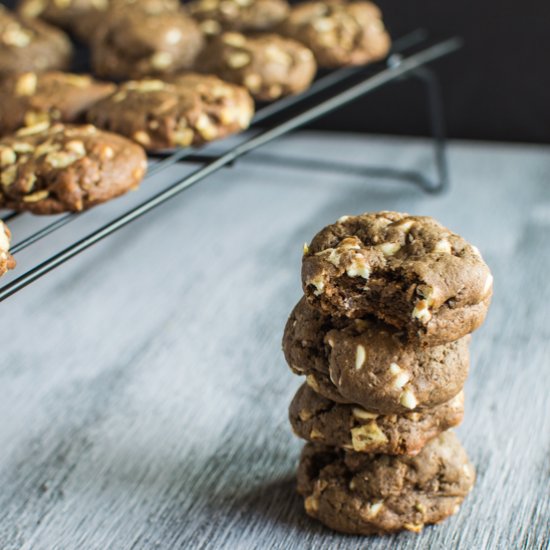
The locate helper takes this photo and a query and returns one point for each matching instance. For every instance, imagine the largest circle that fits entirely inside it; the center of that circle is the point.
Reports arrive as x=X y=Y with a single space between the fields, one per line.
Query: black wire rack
x=409 y=58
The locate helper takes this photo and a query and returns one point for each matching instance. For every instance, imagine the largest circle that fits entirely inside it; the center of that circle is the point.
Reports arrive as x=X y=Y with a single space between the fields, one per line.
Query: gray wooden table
x=143 y=393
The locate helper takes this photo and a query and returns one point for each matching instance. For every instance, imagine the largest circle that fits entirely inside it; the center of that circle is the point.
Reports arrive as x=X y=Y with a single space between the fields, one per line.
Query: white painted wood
x=143 y=393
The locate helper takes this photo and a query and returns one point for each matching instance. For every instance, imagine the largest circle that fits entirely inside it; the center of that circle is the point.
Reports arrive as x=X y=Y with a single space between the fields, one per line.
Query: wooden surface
x=144 y=394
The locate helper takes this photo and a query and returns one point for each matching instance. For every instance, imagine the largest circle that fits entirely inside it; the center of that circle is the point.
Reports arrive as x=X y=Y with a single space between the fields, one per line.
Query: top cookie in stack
x=407 y=271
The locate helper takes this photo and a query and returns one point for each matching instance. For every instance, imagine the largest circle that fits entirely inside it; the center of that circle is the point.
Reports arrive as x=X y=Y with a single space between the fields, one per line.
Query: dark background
x=496 y=88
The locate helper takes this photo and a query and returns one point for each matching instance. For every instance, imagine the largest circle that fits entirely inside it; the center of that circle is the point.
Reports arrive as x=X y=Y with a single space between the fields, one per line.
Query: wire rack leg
x=436 y=114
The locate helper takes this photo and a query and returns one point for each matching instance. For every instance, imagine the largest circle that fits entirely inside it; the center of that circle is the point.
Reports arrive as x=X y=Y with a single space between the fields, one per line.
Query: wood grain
x=144 y=394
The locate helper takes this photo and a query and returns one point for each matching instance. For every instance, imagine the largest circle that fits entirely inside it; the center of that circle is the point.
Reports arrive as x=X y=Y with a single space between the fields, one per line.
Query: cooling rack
x=409 y=58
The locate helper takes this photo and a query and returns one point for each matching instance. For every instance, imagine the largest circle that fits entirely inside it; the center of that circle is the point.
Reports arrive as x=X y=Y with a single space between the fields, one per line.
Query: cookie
x=320 y=420
x=189 y=110
x=409 y=271
x=367 y=362
x=367 y=494
x=216 y=16
x=269 y=65
x=29 y=98
x=135 y=44
x=6 y=259
x=83 y=17
x=339 y=33
x=49 y=170
x=31 y=45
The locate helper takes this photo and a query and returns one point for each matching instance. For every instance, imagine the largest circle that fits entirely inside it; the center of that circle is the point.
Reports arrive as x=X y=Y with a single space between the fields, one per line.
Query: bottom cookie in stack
x=366 y=494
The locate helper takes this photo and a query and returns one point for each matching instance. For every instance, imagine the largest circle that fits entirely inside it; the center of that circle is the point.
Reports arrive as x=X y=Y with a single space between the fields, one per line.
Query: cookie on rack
x=408 y=271
x=268 y=65
x=188 y=110
x=31 y=45
x=52 y=169
x=339 y=33
x=367 y=494
x=83 y=17
x=6 y=259
x=216 y=16
x=29 y=98
x=135 y=44
x=320 y=420
x=367 y=362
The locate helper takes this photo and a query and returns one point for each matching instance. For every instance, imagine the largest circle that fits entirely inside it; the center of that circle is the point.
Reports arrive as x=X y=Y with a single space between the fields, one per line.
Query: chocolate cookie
x=367 y=362
x=30 y=45
x=364 y=494
x=238 y=15
x=48 y=170
x=84 y=17
x=320 y=420
x=339 y=33
x=6 y=259
x=29 y=98
x=269 y=65
x=189 y=110
x=135 y=44
x=409 y=271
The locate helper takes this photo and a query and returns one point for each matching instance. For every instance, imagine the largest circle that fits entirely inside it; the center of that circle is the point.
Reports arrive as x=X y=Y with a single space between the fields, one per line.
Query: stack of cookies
x=382 y=336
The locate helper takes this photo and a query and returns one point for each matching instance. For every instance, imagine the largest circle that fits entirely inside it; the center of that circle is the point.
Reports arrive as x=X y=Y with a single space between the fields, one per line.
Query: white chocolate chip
x=161 y=60
x=362 y=414
x=77 y=147
x=183 y=137
x=7 y=175
x=173 y=36
x=315 y=435
x=404 y=225
x=408 y=399
x=305 y=415
x=365 y=436
x=311 y=504
x=142 y=137
x=401 y=379
x=144 y=86
x=7 y=156
x=206 y=128
x=342 y=218
x=319 y=285
x=62 y=159
x=324 y=24
x=234 y=39
x=358 y=267
x=4 y=241
x=360 y=357
x=306 y=249
x=26 y=84
x=476 y=251
x=389 y=249
x=487 y=285
x=375 y=508
x=237 y=60
x=32 y=130
x=422 y=312
x=17 y=37
x=312 y=383
x=35 y=197
x=253 y=82
x=443 y=246
x=395 y=369
x=22 y=147
x=210 y=27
